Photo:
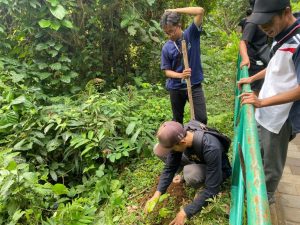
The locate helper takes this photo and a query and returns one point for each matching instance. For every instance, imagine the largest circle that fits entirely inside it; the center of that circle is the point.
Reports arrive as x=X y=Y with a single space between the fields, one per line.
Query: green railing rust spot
x=246 y=143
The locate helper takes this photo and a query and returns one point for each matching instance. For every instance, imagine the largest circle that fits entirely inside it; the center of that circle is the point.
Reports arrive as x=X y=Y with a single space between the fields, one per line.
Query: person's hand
x=151 y=203
x=179 y=219
x=250 y=98
x=247 y=80
x=245 y=62
x=186 y=73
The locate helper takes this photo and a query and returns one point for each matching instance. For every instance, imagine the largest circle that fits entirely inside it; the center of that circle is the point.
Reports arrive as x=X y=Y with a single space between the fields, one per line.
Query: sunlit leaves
x=19 y=100
x=130 y=127
x=34 y=3
x=151 y=2
x=53 y=144
x=44 y=23
x=22 y=145
x=65 y=79
x=59 y=12
x=53 y=3
x=55 y=25
x=151 y=204
x=67 y=23
x=11 y=165
x=59 y=189
x=131 y=30
x=17 y=77
x=55 y=66
x=41 y=46
x=8 y=119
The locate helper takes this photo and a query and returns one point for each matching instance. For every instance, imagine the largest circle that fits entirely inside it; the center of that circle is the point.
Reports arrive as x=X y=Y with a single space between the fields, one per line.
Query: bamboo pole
x=188 y=80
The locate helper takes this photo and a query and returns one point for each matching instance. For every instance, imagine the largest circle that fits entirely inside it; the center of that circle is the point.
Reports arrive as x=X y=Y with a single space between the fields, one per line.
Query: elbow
x=201 y=11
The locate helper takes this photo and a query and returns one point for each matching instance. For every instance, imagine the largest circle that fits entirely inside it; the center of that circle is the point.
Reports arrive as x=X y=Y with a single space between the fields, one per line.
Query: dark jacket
x=217 y=167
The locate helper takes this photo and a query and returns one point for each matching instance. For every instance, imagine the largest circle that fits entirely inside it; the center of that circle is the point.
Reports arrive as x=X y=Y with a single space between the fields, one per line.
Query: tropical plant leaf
x=48 y=127
x=12 y=165
x=67 y=23
x=135 y=136
x=44 y=23
x=59 y=189
x=41 y=46
x=19 y=100
x=87 y=148
x=130 y=128
x=66 y=79
x=53 y=2
x=55 y=25
x=151 y=2
x=131 y=30
x=55 y=66
x=53 y=175
x=53 y=144
x=23 y=147
x=59 y=12
x=151 y=205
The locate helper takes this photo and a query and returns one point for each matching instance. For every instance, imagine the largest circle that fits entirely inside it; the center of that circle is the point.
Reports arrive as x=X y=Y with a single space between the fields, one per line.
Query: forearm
x=173 y=74
x=243 y=50
x=165 y=179
x=282 y=98
x=198 y=12
x=260 y=75
x=157 y=194
x=189 y=10
x=201 y=201
x=171 y=166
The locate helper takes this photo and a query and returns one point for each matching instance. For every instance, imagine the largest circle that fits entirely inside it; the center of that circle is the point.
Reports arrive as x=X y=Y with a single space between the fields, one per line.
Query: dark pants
x=274 y=149
x=254 y=69
x=180 y=97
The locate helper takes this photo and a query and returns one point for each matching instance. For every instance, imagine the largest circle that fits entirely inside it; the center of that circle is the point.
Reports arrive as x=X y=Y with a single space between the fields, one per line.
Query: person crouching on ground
x=207 y=163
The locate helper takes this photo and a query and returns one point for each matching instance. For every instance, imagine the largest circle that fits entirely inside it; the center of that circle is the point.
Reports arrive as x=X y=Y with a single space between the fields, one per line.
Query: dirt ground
x=179 y=197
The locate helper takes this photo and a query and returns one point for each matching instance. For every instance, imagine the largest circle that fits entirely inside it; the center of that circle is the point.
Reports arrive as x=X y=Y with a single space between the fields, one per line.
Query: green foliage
x=66 y=145
x=295 y=6
x=226 y=16
x=56 y=143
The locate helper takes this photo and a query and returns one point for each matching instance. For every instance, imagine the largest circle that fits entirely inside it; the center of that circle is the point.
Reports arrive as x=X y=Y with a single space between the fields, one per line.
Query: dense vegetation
x=81 y=97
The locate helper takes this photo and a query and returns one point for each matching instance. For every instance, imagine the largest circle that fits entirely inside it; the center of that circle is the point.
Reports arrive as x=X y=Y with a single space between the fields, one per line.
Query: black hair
x=281 y=11
x=170 y=18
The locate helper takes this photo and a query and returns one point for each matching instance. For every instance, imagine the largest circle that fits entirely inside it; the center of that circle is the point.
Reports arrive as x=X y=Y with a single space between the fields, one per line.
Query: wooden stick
x=188 y=80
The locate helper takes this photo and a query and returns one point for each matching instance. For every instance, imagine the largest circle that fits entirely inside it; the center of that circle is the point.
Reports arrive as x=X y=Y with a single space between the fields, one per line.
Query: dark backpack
x=195 y=125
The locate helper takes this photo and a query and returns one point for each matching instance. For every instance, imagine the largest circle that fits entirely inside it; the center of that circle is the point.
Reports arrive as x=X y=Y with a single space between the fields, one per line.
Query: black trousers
x=254 y=69
x=180 y=97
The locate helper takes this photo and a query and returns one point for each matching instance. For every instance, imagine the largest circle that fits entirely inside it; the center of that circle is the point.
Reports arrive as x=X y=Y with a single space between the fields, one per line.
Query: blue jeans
x=180 y=97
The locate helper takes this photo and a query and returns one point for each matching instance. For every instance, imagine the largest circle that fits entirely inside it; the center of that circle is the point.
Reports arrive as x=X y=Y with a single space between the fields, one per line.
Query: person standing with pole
x=173 y=66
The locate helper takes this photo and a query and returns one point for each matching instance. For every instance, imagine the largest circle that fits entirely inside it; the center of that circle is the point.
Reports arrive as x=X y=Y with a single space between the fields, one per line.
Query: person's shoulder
x=193 y=27
x=167 y=45
x=249 y=24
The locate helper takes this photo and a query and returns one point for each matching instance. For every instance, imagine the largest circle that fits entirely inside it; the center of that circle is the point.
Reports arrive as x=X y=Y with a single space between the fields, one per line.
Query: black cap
x=264 y=10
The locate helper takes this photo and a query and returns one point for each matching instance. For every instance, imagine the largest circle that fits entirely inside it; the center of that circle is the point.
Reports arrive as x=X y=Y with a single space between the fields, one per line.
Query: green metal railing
x=248 y=174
